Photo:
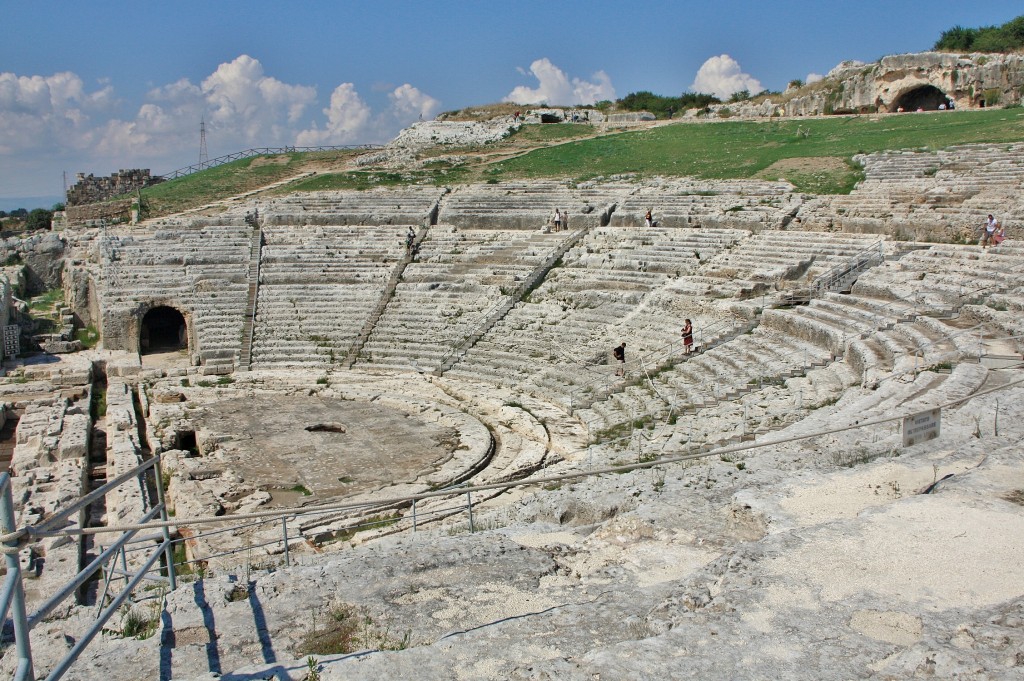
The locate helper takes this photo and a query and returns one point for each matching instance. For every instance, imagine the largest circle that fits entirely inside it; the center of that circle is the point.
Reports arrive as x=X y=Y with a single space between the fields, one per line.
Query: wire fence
x=259 y=151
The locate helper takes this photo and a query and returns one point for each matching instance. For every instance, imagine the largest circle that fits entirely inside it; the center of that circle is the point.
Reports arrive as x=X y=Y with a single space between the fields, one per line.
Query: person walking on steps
x=687 y=337
x=620 y=356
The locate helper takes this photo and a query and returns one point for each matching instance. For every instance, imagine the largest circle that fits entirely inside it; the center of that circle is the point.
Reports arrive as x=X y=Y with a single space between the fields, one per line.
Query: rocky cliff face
x=906 y=81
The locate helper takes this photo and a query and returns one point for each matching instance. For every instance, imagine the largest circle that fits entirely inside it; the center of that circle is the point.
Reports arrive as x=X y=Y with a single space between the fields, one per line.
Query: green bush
x=1006 y=38
x=660 y=105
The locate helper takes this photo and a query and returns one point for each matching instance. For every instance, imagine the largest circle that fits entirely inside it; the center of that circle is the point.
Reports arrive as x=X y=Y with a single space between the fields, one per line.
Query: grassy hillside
x=815 y=154
x=745 y=149
x=234 y=178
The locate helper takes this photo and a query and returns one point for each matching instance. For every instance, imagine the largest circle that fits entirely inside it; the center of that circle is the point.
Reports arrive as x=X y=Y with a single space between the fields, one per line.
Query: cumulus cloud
x=58 y=118
x=556 y=88
x=347 y=116
x=813 y=78
x=722 y=76
x=56 y=108
x=409 y=104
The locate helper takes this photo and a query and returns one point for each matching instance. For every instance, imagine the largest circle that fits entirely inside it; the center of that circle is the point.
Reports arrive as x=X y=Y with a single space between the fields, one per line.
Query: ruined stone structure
x=319 y=352
x=90 y=189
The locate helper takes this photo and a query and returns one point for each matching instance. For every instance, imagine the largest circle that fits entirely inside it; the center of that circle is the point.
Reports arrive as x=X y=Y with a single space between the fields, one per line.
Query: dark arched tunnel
x=163 y=329
x=926 y=98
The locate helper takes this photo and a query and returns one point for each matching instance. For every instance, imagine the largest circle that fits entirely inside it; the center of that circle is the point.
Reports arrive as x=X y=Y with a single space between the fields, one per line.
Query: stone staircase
x=455 y=354
x=385 y=298
x=255 y=249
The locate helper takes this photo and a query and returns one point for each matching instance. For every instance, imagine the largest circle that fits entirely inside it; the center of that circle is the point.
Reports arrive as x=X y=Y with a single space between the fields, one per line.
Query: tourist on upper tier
x=648 y=219
x=989 y=230
x=565 y=219
x=558 y=220
x=620 y=355
x=999 y=236
x=687 y=336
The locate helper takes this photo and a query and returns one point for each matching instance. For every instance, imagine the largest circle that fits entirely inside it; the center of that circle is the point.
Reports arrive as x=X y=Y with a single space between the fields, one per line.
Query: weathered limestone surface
x=970 y=81
x=846 y=555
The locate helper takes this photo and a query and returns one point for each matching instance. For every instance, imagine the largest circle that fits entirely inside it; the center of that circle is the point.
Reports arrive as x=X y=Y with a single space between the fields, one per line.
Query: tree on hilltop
x=40 y=218
x=1006 y=38
x=664 y=107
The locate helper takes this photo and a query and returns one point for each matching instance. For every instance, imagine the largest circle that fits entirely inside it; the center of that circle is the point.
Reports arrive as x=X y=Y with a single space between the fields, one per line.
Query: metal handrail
x=671 y=349
x=259 y=151
x=512 y=298
x=12 y=593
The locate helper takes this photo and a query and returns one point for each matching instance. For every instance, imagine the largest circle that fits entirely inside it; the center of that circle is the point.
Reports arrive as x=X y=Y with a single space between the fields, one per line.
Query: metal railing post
x=14 y=578
x=469 y=508
x=284 y=531
x=414 y=515
x=161 y=499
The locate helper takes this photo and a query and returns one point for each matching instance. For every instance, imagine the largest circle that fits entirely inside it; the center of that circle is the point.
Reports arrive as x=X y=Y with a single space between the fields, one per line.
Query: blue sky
x=97 y=86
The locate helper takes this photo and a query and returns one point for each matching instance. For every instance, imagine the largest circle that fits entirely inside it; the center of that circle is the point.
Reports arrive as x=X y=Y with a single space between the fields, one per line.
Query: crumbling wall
x=91 y=189
x=109 y=211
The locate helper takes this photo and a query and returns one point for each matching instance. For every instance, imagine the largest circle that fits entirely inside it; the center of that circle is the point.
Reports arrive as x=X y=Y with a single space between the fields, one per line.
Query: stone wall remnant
x=91 y=189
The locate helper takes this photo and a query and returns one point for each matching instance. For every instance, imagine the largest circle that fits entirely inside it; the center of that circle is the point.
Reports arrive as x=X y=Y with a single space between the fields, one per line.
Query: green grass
x=301 y=489
x=743 y=149
x=814 y=154
x=230 y=179
x=89 y=336
x=368 y=179
x=46 y=302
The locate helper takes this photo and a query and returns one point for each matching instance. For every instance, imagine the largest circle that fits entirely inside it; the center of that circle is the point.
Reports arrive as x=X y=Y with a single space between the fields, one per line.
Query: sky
x=97 y=86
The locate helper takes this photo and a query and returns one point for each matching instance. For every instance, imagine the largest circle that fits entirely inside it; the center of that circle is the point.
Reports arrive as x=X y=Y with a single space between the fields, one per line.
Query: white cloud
x=722 y=76
x=239 y=95
x=409 y=104
x=51 y=110
x=347 y=116
x=57 y=121
x=555 y=87
x=813 y=78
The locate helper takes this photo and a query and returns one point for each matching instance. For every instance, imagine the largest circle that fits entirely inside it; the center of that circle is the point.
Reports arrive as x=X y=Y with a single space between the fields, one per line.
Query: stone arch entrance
x=163 y=329
x=926 y=97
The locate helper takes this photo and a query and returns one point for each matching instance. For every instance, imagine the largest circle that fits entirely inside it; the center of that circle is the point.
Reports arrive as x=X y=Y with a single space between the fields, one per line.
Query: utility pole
x=204 y=158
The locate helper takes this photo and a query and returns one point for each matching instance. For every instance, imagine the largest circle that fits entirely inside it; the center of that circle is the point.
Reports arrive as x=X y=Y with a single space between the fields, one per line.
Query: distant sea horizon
x=29 y=202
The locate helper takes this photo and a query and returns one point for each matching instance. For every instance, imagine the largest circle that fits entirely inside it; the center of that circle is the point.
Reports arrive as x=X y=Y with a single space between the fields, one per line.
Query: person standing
x=991 y=225
x=558 y=220
x=687 y=337
x=648 y=218
x=620 y=355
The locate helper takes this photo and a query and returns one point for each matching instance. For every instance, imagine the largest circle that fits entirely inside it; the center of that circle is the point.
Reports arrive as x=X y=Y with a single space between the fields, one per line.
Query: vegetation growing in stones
x=98 y=402
x=141 y=624
x=346 y=629
x=88 y=336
